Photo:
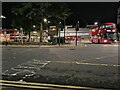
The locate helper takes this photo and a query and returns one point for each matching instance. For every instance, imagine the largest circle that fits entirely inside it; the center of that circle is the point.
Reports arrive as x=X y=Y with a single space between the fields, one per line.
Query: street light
x=59 y=28
x=41 y=28
x=34 y=26
x=64 y=31
x=21 y=34
x=1 y=17
x=45 y=20
x=95 y=23
x=77 y=29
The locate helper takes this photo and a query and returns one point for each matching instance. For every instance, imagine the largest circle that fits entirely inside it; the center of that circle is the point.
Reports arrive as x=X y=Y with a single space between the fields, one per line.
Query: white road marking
x=94 y=64
x=110 y=45
x=98 y=58
x=85 y=63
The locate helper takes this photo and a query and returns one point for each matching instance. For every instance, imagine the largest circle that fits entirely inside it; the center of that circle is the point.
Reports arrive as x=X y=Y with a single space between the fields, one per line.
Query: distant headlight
x=108 y=30
x=115 y=40
x=113 y=30
x=105 y=40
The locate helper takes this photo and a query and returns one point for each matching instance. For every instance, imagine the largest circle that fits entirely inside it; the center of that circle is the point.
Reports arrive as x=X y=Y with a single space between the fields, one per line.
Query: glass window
x=104 y=35
x=111 y=26
x=112 y=36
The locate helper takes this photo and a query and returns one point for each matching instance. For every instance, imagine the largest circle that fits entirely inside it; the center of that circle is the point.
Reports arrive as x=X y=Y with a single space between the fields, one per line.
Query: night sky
x=88 y=12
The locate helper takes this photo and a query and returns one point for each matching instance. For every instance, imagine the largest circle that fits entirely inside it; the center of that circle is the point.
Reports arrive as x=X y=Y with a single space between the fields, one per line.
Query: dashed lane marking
x=44 y=86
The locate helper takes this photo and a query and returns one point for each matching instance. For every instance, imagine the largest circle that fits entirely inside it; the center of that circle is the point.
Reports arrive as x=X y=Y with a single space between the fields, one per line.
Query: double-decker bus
x=104 y=33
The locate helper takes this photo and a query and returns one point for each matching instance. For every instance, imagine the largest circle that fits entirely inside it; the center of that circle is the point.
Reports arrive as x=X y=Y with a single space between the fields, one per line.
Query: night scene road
x=82 y=67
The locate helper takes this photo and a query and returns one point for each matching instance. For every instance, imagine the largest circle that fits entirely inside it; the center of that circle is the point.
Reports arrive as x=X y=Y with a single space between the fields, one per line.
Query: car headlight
x=105 y=40
x=108 y=30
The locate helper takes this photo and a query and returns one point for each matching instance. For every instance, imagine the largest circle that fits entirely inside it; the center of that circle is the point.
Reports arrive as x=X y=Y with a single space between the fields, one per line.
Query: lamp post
x=5 y=38
x=1 y=17
x=77 y=29
x=59 y=28
x=41 y=28
x=21 y=35
x=64 y=31
x=40 y=38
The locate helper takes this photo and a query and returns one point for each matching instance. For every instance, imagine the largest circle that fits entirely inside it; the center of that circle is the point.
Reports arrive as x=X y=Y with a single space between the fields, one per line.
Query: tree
x=59 y=12
x=33 y=13
x=28 y=14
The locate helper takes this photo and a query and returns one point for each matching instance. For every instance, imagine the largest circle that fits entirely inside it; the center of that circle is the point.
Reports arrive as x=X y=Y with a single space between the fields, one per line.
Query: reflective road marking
x=85 y=63
x=44 y=86
x=94 y=64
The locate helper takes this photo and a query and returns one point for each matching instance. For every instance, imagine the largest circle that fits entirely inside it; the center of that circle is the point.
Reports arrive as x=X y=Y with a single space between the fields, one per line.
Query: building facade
x=12 y=35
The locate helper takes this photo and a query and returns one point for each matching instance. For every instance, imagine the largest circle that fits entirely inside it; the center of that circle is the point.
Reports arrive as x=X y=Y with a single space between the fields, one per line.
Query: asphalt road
x=90 y=65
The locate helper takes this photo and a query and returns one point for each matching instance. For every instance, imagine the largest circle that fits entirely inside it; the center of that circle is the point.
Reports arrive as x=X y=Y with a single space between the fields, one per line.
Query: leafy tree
x=59 y=12
x=29 y=14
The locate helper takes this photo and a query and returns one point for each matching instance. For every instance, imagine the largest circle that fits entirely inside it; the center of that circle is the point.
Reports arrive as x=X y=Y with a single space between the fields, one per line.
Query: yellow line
x=51 y=85
x=25 y=86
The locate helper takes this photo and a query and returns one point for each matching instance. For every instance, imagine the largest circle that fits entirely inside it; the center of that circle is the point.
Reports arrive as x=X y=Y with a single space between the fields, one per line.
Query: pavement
x=80 y=43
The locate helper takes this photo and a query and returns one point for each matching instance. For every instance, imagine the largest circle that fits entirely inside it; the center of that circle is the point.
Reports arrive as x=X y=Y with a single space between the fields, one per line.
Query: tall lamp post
x=64 y=31
x=41 y=28
x=77 y=29
x=21 y=35
x=1 y=17
x=59 y=29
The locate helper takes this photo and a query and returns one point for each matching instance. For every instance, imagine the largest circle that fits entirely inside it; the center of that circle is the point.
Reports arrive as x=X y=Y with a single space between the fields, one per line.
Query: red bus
x=104 y=33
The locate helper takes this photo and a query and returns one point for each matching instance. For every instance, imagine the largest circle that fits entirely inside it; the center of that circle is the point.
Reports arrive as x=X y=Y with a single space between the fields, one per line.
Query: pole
x=77 y=29
x=64 y=31
x=59 y=35
x=76 y=38
x=59 y=28
x=21 y=35
x=5 y=38
x=40 y=40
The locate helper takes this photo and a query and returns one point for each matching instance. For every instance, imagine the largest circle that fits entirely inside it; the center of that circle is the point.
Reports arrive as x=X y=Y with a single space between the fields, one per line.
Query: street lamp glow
x=45 y=20
x=95 y=23
x=33 y=26
x=2 y=16
x=48 y=21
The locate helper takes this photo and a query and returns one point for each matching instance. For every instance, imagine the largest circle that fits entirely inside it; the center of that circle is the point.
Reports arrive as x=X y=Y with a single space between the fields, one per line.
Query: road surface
x=87 y=65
